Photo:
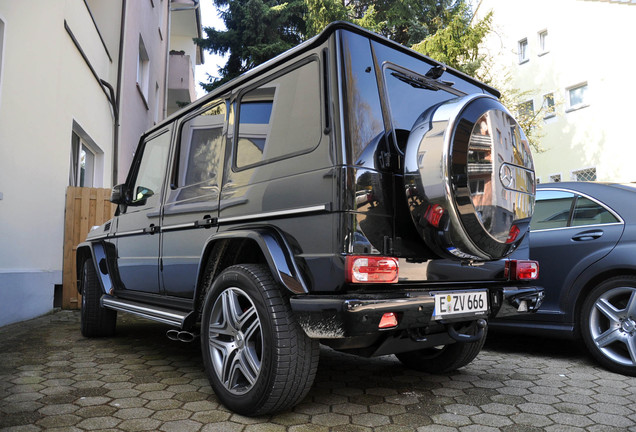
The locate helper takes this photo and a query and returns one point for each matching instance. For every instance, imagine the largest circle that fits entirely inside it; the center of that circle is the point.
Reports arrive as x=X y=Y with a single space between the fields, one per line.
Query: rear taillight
x=371 y=269
x=434 y=214
x=521 y=270
x=513 y=234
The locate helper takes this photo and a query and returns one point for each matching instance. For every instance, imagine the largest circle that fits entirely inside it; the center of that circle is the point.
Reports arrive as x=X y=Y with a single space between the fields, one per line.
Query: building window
x=548 y=105
x=577 y=97
x=143 y=70
x=82 y=172
x=584 y=175
x=555 y=178
x=544 y=45
x=523 y=50
x=526 y=110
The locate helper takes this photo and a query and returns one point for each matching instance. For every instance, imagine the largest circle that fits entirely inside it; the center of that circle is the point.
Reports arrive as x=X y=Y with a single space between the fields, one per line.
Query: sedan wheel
x=608 y=324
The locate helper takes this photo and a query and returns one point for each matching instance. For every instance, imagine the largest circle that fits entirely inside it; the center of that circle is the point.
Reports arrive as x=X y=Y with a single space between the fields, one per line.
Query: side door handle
x=206 y=222
x=152 y=229
x=588 y=235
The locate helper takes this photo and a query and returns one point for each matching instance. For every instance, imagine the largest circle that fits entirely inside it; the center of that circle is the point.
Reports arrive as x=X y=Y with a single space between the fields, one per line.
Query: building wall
x=148 y=21
x=58 y=59
x=46 y=90
x=587 y=43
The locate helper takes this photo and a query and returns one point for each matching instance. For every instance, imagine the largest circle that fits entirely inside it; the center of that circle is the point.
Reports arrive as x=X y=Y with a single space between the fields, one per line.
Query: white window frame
x=549 y=113
x=143 y=71
x=544 y=42
x=573 y=174
x=580 y=105
x=554 y=176
x=522 y=51
x=96 y=173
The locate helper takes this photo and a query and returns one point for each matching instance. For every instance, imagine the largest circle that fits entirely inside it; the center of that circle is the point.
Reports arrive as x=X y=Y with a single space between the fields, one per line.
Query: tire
x=444 y=358
x=257 y=358
x=608 y=324
x=95 y=321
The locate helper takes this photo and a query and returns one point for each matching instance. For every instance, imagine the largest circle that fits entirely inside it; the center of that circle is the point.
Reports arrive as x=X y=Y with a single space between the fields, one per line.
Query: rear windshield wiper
x=422 y=82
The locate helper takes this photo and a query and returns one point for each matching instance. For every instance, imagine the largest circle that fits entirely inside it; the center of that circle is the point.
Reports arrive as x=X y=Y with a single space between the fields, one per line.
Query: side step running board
x=167 y=316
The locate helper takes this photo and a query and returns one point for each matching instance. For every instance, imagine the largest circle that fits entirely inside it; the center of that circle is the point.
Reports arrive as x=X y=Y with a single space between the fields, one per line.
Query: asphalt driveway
x=51 y=378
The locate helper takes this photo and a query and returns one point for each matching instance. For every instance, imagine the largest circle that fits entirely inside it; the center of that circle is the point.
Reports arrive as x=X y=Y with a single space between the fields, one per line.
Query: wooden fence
x=85 y=208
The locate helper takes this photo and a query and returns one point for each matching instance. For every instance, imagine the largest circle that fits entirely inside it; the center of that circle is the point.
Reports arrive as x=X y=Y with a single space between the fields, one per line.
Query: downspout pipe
x=116 y=106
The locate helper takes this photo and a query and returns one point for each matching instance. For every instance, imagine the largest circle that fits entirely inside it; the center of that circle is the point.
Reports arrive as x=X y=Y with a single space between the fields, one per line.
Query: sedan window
x=560 y=209
x=588 y=212
x=552 y=210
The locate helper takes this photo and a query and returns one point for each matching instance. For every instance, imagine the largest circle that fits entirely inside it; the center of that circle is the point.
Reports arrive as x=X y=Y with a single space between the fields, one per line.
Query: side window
x=201 y=145
x=147 y=185
x=281 y=118
x=552 y=210
x=588 y=212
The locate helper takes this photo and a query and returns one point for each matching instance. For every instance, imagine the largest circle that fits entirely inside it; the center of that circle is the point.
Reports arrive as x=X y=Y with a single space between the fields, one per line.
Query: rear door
x=569 y=232
x=192 y=200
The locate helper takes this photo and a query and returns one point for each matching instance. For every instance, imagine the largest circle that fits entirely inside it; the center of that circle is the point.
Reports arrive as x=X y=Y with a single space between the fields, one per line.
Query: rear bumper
x=355 y=314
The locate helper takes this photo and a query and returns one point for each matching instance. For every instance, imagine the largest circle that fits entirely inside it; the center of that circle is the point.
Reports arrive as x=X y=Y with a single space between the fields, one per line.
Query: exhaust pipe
x=181 y=336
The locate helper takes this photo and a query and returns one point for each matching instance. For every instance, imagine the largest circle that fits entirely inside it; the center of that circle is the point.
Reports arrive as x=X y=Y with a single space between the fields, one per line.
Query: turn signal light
x=371 y=269
x=521 y=270
x=388 y=320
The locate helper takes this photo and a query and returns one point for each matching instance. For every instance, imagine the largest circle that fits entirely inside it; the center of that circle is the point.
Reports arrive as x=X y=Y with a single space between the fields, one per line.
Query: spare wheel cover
x=469 y=179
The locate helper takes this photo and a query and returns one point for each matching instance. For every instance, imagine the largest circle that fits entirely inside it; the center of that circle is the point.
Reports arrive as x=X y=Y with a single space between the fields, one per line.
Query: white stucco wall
x=46 y=87
x=589 y=42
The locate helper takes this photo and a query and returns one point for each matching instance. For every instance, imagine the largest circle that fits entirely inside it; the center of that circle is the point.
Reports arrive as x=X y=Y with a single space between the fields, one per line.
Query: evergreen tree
x=257 y=30
x=404 y=21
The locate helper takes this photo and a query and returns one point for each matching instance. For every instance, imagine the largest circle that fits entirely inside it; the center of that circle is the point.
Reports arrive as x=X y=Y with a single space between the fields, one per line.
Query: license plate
x=458 y=304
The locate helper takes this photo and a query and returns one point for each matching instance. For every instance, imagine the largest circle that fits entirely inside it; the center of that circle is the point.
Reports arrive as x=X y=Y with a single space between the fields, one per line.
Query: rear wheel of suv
x=443 y=358
x=257 y=358
x=95 y=320
x=608 y=324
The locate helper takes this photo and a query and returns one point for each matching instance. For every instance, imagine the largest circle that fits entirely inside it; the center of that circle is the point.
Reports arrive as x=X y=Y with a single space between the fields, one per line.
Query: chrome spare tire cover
x=469 y=179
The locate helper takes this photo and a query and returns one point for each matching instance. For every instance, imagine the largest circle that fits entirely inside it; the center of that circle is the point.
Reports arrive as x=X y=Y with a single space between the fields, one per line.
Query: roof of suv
x=310 y=44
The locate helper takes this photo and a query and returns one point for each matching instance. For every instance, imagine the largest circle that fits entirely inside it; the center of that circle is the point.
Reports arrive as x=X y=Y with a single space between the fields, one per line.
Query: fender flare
x=98 y=252
x=276 y=250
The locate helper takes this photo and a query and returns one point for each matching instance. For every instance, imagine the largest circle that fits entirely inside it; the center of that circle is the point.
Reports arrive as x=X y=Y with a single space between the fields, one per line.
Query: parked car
x=584 y=237
x=243 y=217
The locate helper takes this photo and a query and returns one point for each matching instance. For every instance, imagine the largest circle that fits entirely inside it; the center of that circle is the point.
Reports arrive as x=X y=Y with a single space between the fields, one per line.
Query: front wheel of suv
x=608 y=324
x=444 y=358
x=257 y=358
x=95 y=320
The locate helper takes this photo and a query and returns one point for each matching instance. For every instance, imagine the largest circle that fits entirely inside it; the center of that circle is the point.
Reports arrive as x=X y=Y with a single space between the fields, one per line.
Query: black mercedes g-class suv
x=346 y=192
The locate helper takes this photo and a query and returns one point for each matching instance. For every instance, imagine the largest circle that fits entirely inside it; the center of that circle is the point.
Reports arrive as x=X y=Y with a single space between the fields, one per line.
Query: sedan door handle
x=587 y=235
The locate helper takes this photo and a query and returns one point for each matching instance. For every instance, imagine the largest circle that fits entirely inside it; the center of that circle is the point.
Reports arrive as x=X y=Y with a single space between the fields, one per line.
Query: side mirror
x=118 y=194
x=142 y=194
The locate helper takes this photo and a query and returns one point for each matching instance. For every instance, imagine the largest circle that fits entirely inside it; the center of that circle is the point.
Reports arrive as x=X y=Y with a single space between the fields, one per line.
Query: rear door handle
x=588 y=235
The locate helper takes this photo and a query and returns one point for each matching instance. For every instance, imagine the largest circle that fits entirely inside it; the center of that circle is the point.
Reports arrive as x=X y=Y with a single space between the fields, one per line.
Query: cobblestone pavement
x=51 y=378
